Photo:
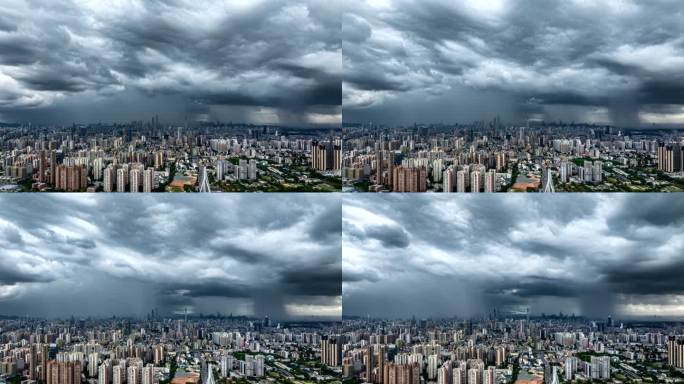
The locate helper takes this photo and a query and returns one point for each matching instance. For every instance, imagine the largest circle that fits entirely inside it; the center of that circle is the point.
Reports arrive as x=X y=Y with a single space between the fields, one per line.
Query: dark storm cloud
x=274 y=54
x=11 y=276
x=389 y=236
x=328 y=224
x=256 y=253
x=585 y=254
x=641 y=278
x=579 y=55
x=323 y=279
x=536 y=286
x=648 y=212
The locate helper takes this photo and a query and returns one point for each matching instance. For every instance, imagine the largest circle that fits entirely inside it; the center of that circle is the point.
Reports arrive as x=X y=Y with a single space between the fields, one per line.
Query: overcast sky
x=95 y=255
x=260 y=61
x=615 y=61
x=587 y=254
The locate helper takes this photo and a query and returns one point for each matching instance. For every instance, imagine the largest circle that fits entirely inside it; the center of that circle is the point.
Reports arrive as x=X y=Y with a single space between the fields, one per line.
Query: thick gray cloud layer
x=593 y=255
x=93 y=255
x=616 y=61
x=259 y=60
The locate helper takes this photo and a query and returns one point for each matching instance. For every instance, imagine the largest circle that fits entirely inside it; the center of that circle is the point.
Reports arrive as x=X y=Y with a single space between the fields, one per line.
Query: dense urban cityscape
x=514 y=288
x=204 y=349
x=493 y=157
x=510 y=347
x=341 y=192
x=152 y=157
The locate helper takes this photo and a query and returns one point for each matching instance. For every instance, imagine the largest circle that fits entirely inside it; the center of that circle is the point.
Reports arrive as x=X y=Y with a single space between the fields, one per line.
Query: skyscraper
x=410 y=179
x=670 y=157
x=148 y=180
x=490 y=181
x=461 y=181
x=108 y=179
x=475 y=181
x=148 y=374
x=331 y=351
x=326 y=156
x=449 y=181
x=379 y=160
x=121 y=179
x=675 y=353
x=134 y=180
x=71 y=178
x=64 y=372
x=600 y=367
x=104 y=375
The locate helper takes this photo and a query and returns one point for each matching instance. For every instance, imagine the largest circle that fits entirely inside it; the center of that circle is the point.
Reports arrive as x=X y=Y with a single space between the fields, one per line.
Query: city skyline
x=261 y=62
x=611 y=62
x=588 y=255
x=84 y=255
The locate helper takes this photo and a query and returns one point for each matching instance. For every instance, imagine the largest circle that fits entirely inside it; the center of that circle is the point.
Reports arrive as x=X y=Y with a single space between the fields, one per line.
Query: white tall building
x=490 y=181
x=118 y=374
x=444 y=374
x=227 y=363
x=148 y=180
x=461 y=181
x=121 y=179
x=597 y=171
x=474 y=376
x=600 y=367
x=134 y=180
x=564 y=171
x=98 y=166
x=220 y=169
x=104 y=375
x=490 y=376
x=449 y=181
x=148 y=374
x=259 y=366
x=475 y=181
x=252 y=169
x=93 y=360
x=437 y=169
x=134 y=375
x=108 y=183
x=432 y=364
x=459 y=376
x=570 y=368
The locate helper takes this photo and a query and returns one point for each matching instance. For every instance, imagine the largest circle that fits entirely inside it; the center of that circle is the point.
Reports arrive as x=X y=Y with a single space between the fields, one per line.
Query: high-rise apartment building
x=675 y=353
x=331 y=351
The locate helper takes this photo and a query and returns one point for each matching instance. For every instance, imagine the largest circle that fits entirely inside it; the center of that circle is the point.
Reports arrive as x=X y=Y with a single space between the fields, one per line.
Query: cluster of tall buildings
x=675 y=353
x=123 y=371
x=670 y=157
x=64 y=372
x=137 y=351
x=502 y=350
x=331 y=351
x=491 y=157
x=139 y=157
x=477 y=180
x=466 y=372
x=326 y=156
x=128 y=178
x=400 y=374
